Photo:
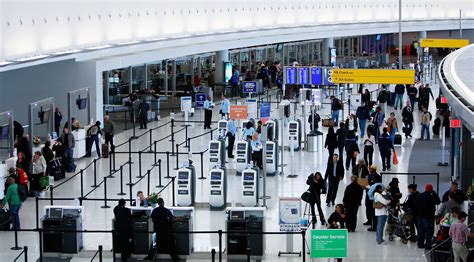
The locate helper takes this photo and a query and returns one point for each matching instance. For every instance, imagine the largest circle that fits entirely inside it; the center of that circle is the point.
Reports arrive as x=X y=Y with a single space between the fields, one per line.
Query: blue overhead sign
x=290 y=75
x=265 y=110
x=303 y=75
x=316 y=76
x=249 y=87
x=200 y=99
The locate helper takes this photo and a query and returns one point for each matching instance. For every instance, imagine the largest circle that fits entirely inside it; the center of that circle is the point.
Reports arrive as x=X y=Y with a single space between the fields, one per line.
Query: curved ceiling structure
x=33 y=32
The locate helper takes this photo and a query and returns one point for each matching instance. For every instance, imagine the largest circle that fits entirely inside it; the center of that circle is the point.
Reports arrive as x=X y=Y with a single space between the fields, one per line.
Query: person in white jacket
x=39 y=170
x=380 y=213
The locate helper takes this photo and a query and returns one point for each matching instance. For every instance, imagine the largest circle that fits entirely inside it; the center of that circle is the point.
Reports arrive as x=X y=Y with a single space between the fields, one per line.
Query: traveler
x=392 y=126
x=447 y=205
x=409 y=205
x=373 y=178
x=336 y=106
x=314 y=125
x=334 y=174
x=331 y=141
x=58 y=116
x=247 y=132
x=23 y=146
x=225 y=107
x=208 y=106
x=380 y=206
x=48 y=155
x=363 y=114
x=385 y=148
x=93 y=133
x=407 y=119
x=139 y=200
x=337 y=220
x=424 y=96
x=257 y=147
x=231 y=132
x=143 y=109
x=197 y=80
x=39 y=170
x=460 y=234
x=210 y=79
x=391 y=99
x=317 y=186
x=383 y=98
x=351 y=123
x=341 y=135
x=123 y=228
x=369 y=143
x=399 y=92
x=12 y=198
x=109 y=130
x=425 y=123
x=69 y=144
x=352 y=149
x=360 y=170
x=459 y=195
x=365 y=97
x=425 y=204
x=378 y=121
x=163 y=220
x=446 y=221
x=412 y=92
x=394 y=192
x=352 y=200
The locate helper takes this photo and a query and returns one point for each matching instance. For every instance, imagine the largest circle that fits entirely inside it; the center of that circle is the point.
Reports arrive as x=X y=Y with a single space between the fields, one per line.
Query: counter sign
x=455 y=123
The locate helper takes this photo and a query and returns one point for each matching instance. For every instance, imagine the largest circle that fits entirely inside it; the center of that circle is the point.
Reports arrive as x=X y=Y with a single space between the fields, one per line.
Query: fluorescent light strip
x=128 y=43
x=4 y=63
x=67 y=52
x=31 y=58
x=99 y=47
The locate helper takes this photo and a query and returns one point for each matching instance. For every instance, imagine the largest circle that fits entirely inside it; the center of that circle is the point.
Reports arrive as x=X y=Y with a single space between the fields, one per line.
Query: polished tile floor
x=362 y=246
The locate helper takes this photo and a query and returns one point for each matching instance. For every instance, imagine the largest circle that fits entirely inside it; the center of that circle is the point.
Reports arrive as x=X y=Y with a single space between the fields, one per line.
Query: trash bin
x=314 y=141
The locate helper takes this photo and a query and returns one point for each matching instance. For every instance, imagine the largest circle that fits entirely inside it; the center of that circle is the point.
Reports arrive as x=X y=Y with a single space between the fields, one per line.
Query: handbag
x=328 y=122
x=307 y=197
x=378 y=205
x=324 y=188
x=395 y=158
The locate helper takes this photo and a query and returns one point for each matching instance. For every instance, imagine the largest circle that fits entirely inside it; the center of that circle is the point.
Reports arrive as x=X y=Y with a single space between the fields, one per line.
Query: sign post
x=249 y=87
x=329 y=243
x=200 y=98
x=186 y=106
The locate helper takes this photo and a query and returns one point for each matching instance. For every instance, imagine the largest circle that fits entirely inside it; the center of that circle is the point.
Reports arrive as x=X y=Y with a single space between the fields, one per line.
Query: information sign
x=316 y=96
x=249 y=87
x=290 y=75
x=455 y=123
x=444 y=100
x=371 y=76
x=200 y=99
x=289 y=213
x=327 y=77
x=303 y=75
x=186 y=103
x=443 y=43
x=252 y=108
x=328 y=243
x=316 y=76
x=265 y=112
x=238 y=112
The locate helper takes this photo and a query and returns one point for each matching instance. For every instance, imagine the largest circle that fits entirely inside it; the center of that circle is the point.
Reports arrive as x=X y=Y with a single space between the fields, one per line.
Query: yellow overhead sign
x=443 y=43
x=371 y=76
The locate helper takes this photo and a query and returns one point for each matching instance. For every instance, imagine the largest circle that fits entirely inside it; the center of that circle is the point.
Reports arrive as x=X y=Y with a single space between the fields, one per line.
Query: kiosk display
x=294 y=134
x=271 y=158
x=186 y=187
x=217 y=154
x=217 y=189
x=249 y=188
x=222 y=128
x=242 y=157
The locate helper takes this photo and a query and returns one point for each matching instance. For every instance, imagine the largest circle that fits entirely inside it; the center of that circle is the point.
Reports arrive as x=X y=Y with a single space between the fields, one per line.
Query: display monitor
x=237 y=214
x=54 y=135
x=240 y=146
x=269 y=147
x=227 y=71
x=316 y=75
x=222 y=125
x=216 y=175
x=248 y=176
x=183 y=175
x=293 y=126
x=55 y=212
x=214 y=146
x=279 y=48
x=81 y=103
x=378 y=37
x=5 y=132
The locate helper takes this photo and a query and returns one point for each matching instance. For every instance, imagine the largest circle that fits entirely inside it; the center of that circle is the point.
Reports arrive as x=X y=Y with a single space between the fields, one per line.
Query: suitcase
x=4 y=219
x=105 y=150
x=398 y=139
x=327 y=122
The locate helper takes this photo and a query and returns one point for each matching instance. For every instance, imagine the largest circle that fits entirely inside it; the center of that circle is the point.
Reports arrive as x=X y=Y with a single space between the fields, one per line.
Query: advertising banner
x=328 y=243
x=289 y=213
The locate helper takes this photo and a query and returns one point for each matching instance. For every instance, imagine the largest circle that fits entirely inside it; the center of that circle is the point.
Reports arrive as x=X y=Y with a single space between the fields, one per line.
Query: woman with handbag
x=317 y=186
x=380 y=206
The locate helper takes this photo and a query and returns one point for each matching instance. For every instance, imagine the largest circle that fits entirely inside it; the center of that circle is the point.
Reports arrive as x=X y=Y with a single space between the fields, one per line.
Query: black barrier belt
x=77 y=173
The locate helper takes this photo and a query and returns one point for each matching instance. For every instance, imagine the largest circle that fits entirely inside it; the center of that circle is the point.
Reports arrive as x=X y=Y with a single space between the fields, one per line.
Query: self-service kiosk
x=271 y=158
x=242 y=156
x=217 y=188
x=186 y=187
x=294 y=135
x=272 y=127
x=217 y=152
x=249 y=187
x=222 y=128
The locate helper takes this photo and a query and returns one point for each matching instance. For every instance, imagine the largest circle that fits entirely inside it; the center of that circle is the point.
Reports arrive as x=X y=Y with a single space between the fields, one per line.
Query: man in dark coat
x=409 y=205
x=163 y=227
x=334 y=174
x=352 y=199
x=425 y=205
x=123 y=228
x=385 y=148
x=459 y=195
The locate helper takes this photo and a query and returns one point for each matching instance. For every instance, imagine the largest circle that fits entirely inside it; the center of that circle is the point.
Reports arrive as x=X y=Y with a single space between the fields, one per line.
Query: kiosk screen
x=183 y=175
x=216 y=176
x=214 y=146
x=5 y=132
x=248 y=176
x=222 y=125
x=269 y=147
x=241 y=146
x=293 y=125
x=56 y=212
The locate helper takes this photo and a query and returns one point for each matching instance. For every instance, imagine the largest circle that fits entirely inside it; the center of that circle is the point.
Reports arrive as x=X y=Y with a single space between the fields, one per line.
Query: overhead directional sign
x=443 y=43
x=238 y=112
x=316 y=75
x=303 y=75
x=290 y=75
x=371 y=76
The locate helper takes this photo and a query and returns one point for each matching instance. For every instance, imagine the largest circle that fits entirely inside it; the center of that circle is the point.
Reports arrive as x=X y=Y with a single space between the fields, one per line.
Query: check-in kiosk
x=250 y=187
x=186 y=187
x=271 y=158
x=242 y=156
x=222 y=128
x=272 y=127
x=56 y=223
x=294 y=135
x=217 y=152
x=239 y=221
x=217 y=188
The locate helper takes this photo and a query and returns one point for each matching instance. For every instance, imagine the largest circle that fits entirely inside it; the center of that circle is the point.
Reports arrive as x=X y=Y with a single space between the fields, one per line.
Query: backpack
x=22 y=193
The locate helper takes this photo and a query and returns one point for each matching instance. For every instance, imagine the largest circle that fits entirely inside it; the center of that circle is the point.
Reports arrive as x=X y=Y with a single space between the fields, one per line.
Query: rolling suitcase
x=57 y=169
x=397 y=140
x=105 y=150
x=4 y=219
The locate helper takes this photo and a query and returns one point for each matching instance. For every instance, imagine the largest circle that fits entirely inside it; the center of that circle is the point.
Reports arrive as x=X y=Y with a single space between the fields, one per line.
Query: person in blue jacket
x=208 y=106
x=363 y=114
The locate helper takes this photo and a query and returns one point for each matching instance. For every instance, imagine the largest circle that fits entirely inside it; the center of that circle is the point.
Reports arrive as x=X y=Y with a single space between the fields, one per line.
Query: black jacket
x=459 y=196
x=374 y=178
x=425 y=204
x=407 y=114
x=351 y=146
x=399 y=89
x=412 y=91
x=330 y=169
x=123 y=216
x=409 y=204
x=315 y=188
x=364 y=172
x=335 y=217
x=353 y=195
x=341 y=134
x=363 y=113
x=331 y=141
x=385 y=144
x=162 y=220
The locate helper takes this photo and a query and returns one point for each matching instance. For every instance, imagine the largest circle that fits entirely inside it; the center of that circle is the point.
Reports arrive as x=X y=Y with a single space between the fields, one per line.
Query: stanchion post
x=159 y=174
x=151 y=139
x=37 y=211
x=202 y=165
x=220 y=245
x=130 y=187
x=40 y=239
x=25 y=253
x=189 y=144
x=100 y=253
x=81 y=173
x=113 y=155
x=51 y=191
x=303 y=237
x=177 y=157
x=154 y=154
x=16 y=247
x=148 y=182
x=213 y=255
x=139 y=164
x=95 y=174
x=173 y=190
x=105 y=194
x=212 y=134
x=121 y=182
x=110 y=165
x=186 y=135
x=172 y=136
x=168 y=164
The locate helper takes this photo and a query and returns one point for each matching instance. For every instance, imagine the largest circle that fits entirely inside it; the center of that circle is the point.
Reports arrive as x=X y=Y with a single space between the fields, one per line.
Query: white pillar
x=328 y=43
x=221 y=57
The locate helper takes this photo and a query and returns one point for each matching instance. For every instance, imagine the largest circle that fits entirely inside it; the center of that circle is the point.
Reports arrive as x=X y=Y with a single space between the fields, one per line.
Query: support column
x=173 y=76
x=165 y=78
x=221 y=57
x=328 y=43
